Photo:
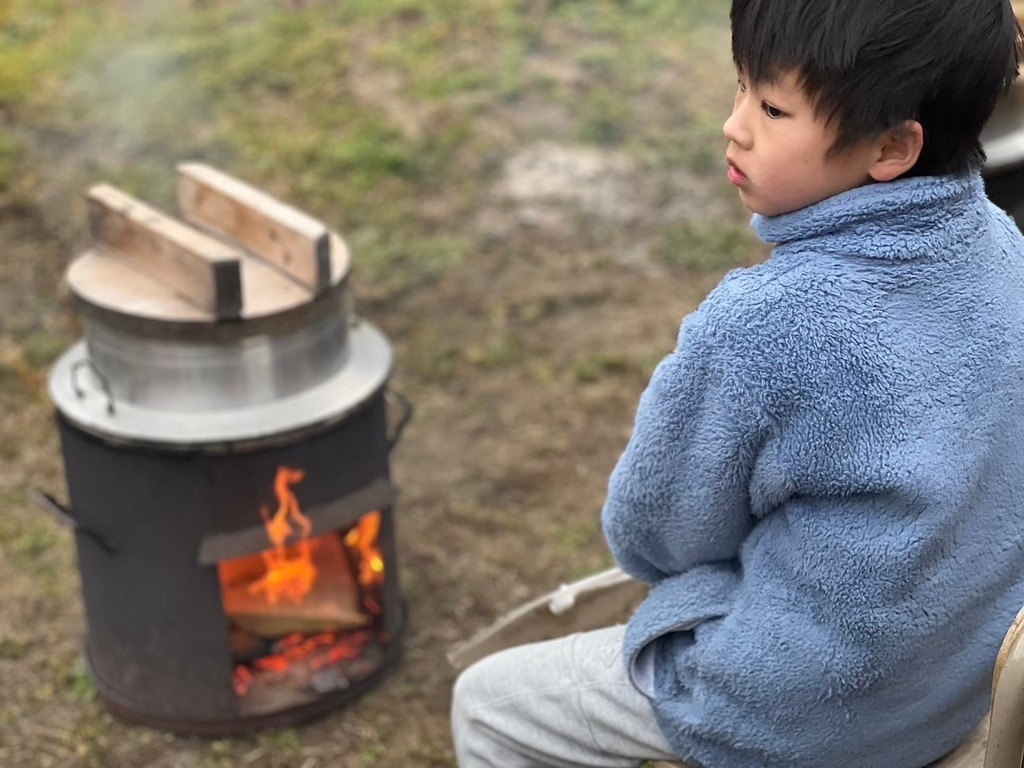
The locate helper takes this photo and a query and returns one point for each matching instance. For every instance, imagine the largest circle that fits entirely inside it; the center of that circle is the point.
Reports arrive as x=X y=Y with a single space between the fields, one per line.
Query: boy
x=825 y=483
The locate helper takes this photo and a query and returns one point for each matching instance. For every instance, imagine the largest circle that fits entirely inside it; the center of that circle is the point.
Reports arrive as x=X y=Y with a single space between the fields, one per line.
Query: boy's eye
x=773 y=112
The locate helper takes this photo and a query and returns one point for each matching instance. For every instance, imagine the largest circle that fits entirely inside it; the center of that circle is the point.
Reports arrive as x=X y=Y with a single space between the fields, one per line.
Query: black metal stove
x=227 y=460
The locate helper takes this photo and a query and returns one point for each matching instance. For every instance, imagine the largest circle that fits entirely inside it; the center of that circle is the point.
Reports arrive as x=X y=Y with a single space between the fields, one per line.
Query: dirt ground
x=524 y=363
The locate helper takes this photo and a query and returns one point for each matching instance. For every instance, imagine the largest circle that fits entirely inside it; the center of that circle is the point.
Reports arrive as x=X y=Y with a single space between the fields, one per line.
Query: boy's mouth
x=736 y=176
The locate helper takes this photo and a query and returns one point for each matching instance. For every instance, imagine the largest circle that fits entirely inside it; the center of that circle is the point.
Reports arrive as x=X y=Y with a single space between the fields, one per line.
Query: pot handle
x=63 y=515
x=76 y=387
x=403 y=421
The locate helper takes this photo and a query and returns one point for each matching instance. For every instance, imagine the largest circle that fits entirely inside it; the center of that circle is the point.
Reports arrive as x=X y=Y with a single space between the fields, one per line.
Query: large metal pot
x=198 y=367
x=160 y=372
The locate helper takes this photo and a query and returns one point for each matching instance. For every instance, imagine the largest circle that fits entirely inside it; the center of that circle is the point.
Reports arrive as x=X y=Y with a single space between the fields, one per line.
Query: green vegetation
x=356 y=111
x=591 y=367
x=77 y=682
x=708 y=247
x=42 y=348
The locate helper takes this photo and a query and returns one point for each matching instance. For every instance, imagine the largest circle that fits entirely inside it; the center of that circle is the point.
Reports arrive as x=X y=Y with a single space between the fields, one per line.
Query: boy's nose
x=735 y=132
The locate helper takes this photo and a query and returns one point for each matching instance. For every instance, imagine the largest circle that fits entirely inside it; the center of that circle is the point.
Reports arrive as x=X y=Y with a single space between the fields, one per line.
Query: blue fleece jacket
x=825 y=487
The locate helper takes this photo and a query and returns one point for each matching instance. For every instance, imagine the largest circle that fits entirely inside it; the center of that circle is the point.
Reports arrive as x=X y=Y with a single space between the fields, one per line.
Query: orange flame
x=287 y=571
x=363 y=538
x=290 y=570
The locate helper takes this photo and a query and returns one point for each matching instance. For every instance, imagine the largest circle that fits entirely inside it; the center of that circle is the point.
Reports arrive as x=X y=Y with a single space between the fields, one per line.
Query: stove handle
x=63 y=515
x=403 y=421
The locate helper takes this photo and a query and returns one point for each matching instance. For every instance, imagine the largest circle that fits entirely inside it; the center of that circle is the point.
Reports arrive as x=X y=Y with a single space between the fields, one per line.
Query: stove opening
x=305 y=614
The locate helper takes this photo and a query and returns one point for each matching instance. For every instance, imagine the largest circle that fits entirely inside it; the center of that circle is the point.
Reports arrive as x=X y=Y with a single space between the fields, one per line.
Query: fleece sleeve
x=679 y=495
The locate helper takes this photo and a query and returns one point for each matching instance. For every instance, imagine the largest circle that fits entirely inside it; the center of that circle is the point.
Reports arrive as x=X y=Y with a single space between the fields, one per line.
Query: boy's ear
x=898 y=151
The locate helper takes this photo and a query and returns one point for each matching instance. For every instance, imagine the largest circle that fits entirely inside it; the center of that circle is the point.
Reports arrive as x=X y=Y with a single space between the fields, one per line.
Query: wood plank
x=332 y=604
x=286 y=237
x=197 y=267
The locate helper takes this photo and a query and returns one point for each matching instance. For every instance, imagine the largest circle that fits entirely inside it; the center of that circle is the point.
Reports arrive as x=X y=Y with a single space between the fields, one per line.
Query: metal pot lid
x=83 y=398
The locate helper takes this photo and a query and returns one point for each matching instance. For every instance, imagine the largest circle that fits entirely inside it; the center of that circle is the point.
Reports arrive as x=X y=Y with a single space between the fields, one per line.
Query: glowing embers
x=304 y=614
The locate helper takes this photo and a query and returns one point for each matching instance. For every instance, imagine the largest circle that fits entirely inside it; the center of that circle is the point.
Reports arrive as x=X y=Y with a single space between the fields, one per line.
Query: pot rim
x=86 y=402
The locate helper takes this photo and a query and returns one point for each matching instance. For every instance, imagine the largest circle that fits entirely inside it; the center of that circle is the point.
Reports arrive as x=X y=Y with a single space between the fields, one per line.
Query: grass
x=42 y=348
x=77 y=683
x=503 y=352
x=12 y=650
x=708 y=248
x=590 y=368
x=309 y=99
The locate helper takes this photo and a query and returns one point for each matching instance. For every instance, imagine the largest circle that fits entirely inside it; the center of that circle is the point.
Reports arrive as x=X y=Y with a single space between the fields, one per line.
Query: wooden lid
x=241 y=255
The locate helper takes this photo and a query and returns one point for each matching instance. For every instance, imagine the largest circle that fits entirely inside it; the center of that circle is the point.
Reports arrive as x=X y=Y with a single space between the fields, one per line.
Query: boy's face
x=777 y=150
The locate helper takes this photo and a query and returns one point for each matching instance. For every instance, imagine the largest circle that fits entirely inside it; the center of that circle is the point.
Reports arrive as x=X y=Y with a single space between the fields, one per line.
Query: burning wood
x=254 y=587
x=303 y=661
x=303 y=608
x=363 y=539
x=290 y=570
x=328 y=605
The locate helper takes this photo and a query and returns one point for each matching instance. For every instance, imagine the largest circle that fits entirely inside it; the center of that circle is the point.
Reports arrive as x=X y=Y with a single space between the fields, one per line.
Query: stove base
x=120 y=707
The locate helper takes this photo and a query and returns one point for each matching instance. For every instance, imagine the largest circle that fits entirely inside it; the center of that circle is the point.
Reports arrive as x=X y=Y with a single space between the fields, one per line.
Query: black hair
x=870 y=65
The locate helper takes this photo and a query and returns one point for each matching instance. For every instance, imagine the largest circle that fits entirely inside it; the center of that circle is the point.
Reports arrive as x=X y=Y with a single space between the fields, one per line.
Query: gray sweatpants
x=564 y=703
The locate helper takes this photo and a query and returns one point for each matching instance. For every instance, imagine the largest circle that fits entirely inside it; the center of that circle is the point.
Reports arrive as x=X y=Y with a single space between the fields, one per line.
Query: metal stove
x=226 y=442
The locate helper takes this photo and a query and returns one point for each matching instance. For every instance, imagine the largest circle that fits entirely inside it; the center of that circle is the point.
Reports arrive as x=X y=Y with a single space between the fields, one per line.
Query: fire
x=311 y=653
x=309 y=608
x=363 y=538
x=290 y=572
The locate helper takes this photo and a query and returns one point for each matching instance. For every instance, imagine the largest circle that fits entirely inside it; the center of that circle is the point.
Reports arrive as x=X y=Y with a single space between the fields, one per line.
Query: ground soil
x=524 y=363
